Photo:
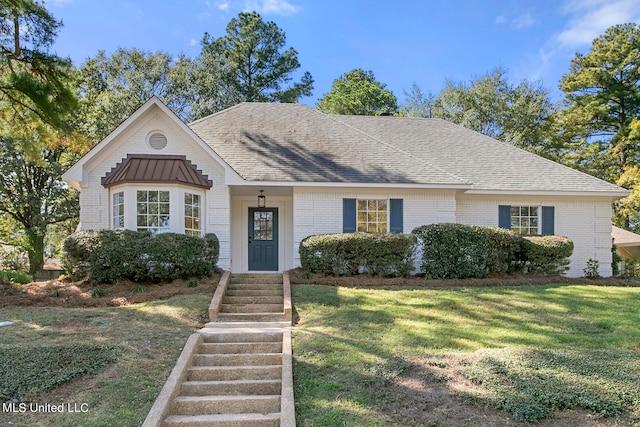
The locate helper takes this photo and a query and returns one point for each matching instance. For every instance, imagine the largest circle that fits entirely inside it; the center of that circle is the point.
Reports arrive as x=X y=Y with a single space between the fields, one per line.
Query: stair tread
x=244 y=381
x=224 y=417
x=210 y=398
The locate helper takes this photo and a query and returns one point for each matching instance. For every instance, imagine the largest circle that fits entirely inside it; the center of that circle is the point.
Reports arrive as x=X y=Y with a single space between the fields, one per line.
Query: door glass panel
x=262 y=225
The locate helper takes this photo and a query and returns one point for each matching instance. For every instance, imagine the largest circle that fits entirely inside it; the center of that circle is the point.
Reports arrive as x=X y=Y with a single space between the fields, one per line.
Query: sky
x=403 y=42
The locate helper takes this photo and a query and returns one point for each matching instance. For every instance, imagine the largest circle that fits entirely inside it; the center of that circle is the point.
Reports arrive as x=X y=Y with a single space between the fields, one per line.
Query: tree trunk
x=35 y=251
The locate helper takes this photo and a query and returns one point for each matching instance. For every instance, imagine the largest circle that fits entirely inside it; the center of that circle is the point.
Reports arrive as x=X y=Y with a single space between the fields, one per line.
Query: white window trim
x=367 y=199
x=176 y=204
x=525 y=205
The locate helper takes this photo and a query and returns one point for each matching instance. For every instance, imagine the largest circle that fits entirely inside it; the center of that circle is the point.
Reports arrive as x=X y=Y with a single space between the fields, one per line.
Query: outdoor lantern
x=262 y=200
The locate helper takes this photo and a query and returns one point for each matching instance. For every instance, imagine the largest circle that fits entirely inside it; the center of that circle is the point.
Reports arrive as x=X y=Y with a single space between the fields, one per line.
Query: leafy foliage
x=521 y=115
x=107 y=256
x=530 y=384
x=13 y=276
x=115 y=86
x=457 y=251
x=33 y=82
x=26 y=371
x=382 y=254
x=544 y=254
x=248 y=64
x=357 y=92
x=461 y=251
x=602 y=94
x=32 y=193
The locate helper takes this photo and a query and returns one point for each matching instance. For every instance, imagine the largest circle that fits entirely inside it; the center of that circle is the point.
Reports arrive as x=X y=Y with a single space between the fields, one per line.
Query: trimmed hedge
x=107 y=256
x=544 y=254
x=344 y=254
x=457 y=251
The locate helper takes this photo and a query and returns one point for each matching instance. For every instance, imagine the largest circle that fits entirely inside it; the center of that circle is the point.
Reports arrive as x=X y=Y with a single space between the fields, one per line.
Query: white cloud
x=275 y=7
x=591 y=18
x=222 y=5
x=519 y=23
x=523 y=21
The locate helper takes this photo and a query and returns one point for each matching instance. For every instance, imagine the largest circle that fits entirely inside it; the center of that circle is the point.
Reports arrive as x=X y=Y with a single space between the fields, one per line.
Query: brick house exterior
x=326 y=174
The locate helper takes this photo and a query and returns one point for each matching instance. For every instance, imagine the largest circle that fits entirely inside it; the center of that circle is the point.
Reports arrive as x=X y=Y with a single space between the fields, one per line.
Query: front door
x=263 y=239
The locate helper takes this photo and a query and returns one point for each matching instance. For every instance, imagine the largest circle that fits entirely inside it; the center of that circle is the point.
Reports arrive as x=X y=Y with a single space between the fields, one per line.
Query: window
x=118 y=210
x=525 y=220
x=191 y=214
x=153 y=211
x=372 y=216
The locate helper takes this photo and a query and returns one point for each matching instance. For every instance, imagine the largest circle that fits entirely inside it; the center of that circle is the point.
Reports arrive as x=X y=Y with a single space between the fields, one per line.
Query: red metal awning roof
x=156 y=169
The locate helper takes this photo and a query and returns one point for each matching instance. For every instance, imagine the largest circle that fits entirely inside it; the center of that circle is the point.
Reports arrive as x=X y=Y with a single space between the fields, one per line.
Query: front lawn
x=561 y=355
x=104 y=365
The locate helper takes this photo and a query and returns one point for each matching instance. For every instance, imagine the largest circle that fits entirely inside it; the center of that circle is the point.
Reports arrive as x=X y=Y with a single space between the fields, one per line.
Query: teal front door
x=263 y=239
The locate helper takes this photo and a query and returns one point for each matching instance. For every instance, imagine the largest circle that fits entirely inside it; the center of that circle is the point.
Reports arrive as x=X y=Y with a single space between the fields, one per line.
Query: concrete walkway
x=237 y=370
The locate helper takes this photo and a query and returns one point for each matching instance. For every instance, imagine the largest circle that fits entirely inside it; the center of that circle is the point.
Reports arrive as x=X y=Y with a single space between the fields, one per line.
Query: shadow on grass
x=354 y=348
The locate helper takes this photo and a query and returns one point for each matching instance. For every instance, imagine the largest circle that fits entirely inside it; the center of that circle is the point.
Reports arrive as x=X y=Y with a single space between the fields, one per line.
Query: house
x=316 y=173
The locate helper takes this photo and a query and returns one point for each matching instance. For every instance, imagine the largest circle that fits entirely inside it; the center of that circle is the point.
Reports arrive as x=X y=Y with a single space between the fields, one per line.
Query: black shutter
x=349 y=220
x=396 y=219
x=548 y=220
x=504 y=217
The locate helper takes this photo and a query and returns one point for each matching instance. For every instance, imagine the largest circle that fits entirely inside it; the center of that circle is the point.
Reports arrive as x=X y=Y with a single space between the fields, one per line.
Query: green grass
x=147 y=339
x=531 y=350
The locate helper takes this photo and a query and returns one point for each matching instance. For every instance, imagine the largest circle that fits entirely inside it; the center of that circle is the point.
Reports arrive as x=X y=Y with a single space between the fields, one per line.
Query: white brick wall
x=586 y=221
x=319 y=211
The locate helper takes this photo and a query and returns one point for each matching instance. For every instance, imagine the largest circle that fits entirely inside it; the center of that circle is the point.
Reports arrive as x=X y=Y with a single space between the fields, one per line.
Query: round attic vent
x=157 y=141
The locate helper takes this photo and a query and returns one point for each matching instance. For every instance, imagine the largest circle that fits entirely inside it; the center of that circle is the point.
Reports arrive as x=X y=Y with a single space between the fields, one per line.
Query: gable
x=138 y=135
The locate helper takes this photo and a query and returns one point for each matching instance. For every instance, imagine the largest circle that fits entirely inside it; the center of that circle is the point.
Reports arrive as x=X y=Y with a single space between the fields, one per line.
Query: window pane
x=141 y=196
x=524 y=219
x=164 y=196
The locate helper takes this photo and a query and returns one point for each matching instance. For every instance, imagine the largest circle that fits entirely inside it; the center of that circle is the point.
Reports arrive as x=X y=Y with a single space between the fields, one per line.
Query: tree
x=602 y=98
x=33 y=82
x=113 y=87
x=358 y=93
x=248 y=64
x=418 y=104
x=33 y=194
x=520 y=115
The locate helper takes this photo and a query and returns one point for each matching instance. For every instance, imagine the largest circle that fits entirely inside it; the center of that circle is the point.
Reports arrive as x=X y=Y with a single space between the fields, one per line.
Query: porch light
x=262 y=200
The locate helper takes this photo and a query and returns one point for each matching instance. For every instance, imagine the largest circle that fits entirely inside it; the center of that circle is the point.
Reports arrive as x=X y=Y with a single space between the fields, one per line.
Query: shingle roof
x=156 y=169
x=296 y=143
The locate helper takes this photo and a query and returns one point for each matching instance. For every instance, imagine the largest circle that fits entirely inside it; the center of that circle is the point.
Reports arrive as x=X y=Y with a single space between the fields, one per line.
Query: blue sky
x=402 y=41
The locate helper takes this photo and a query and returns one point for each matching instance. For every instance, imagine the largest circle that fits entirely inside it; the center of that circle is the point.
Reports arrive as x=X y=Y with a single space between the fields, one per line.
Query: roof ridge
x=394 y=147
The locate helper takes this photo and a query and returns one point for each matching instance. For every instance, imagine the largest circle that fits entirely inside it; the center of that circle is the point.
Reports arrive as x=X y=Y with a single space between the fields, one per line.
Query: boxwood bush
x=107 y=256
x=544 y=254
x=344 y=254
x=462 y=251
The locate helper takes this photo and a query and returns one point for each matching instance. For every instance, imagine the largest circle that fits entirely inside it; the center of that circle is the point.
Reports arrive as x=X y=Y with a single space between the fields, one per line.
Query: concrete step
x=231 y=388
x=254 y=292
x=242 y=337
x=251 y=308
x=226 y=420
x=252 y=317
x=234 y=373
x=255 y=278
x=253 y=299
x=244 y=347
x=253 y=286
x=201 y=405
x=256 y=359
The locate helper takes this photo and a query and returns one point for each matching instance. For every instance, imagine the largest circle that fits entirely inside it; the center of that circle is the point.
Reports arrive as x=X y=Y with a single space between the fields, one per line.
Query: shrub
x=461 y=251
x=17 y=277
x=544 y=254
x=344 y=254
x=107 y=256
